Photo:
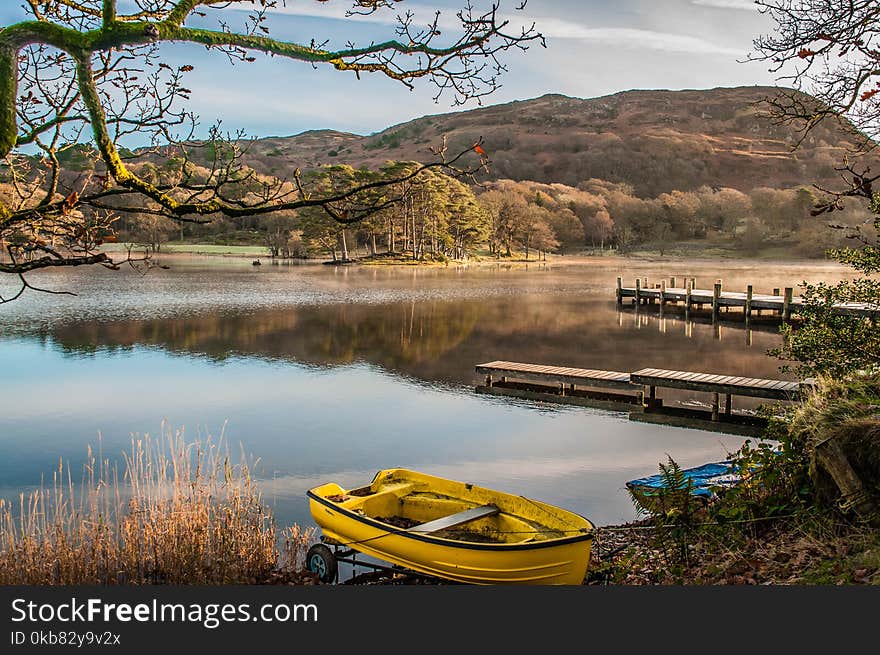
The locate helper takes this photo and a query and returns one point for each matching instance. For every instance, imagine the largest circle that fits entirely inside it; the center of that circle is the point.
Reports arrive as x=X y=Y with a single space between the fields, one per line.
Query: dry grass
x=180 y=513
x=847 y=410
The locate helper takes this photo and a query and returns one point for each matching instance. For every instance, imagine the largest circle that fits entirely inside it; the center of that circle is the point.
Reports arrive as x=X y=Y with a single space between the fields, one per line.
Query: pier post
x=638 y=292
x=749 y=293
x=716 y=298
x=672 y=282
x=727 y=404
x=687 y=297
x=786 y=304
x=663 y=293
x=775 y=293
x=651 y=401
x=619 y=290
x=715 y=406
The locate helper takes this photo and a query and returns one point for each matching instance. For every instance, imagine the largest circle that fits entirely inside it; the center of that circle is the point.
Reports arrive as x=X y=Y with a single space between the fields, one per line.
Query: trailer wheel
x=321 y=560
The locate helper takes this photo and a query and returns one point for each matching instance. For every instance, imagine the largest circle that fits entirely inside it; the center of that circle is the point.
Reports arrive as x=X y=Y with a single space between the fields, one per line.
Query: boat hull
x=561 y=561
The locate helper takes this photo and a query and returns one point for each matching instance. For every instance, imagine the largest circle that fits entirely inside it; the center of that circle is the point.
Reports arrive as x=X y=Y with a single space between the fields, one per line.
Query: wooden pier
x=636 y=392
x=783 y=304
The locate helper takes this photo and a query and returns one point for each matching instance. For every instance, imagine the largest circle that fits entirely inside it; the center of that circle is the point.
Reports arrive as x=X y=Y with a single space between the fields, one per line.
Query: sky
x=594 y=48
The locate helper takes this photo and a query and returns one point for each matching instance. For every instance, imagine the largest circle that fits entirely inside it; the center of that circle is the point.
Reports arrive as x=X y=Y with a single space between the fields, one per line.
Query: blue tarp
x=703 y=479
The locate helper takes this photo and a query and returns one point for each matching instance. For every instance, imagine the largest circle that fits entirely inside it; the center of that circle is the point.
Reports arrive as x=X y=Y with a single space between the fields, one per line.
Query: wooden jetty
x=569 y=386
x=784 y=305
x=636 y=392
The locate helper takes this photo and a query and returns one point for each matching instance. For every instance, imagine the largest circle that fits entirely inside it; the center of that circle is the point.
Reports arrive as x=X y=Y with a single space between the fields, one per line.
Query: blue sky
x=594 y=48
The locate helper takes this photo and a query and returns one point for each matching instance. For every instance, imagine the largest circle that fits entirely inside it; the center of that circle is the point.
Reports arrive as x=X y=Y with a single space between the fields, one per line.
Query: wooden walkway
x=726 y=384
x=568 y=385
x=784 y=304
x=558 y=374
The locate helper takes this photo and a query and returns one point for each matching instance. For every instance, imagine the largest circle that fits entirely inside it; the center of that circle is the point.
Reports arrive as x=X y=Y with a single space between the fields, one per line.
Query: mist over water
x=327 y=373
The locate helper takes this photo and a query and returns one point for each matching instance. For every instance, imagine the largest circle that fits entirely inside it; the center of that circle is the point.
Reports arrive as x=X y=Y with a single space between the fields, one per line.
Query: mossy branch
x=108 y=12
x=109 y=153
x=116 y=34
x=8 y=94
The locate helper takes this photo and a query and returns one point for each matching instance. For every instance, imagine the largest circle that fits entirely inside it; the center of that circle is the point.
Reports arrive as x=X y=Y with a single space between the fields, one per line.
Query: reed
x=179 y=513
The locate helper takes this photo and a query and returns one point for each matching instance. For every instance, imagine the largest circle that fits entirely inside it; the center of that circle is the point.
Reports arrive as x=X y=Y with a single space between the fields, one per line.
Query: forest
x=438 y=217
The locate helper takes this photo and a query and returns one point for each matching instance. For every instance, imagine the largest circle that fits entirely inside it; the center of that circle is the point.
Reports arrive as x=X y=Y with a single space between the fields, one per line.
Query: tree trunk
x=413 y=235
x=343 y=247
x=832 y=458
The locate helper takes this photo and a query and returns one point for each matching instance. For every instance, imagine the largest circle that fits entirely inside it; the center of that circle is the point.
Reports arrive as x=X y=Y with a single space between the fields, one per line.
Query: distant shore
x=259 y=253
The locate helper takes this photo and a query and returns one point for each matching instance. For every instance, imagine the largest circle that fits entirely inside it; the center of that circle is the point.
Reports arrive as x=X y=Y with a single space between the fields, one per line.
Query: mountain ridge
x=656 y=140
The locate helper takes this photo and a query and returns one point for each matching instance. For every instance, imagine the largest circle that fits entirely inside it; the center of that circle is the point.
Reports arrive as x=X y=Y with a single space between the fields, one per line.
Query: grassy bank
x=192 y=249
x=685 y=251
x=806 y=512
x=179 y=513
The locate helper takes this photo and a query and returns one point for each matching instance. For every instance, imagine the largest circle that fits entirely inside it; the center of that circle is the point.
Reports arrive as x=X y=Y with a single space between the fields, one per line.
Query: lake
x=328 y=373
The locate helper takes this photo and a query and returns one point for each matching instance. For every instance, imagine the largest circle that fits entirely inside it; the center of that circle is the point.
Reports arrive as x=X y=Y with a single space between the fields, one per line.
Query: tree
x=828 y=49
x=467 y=223
x=279 y=230
x=83 y=76
x=152 y=231
x=533 y=229
x=543 y=239
x=599 y=228
x=567 y=227
x=508 y=212
x=832 y=45
x=722 y=209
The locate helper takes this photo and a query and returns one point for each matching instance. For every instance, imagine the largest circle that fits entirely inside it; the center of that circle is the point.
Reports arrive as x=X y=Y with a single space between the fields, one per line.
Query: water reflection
x=333 y=373
x=726 y=326
x=439 y=341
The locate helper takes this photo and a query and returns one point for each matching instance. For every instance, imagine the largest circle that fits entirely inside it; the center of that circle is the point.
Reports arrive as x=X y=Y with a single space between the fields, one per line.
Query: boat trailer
x=324 y=558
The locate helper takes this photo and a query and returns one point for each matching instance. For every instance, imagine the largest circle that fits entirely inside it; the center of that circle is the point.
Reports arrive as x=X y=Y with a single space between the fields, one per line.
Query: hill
x=657 y=141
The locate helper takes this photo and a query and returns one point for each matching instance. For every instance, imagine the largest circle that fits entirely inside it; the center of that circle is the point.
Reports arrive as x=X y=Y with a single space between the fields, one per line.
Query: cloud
x=633 y=38
x=746 y=5
x=552 y=28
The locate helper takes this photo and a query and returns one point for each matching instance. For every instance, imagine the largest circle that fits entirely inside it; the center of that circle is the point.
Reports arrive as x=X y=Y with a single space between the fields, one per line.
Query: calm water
x=329 y=374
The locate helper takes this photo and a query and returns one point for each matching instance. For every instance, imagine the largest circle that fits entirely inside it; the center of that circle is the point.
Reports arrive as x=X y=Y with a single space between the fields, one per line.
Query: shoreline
x=636 y=258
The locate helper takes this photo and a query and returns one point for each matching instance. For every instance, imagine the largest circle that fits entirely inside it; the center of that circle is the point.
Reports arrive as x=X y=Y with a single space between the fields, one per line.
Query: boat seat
x=446 y=522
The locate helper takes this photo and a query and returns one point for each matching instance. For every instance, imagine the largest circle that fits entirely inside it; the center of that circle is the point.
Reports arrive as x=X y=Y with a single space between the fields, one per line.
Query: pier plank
x=691 y=380
x=557 y=374
x=546 y=383
x=726 y=384
x=739 y=299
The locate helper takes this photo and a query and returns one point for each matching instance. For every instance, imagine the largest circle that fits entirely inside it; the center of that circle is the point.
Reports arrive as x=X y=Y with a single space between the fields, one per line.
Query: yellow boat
x=451 y=530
